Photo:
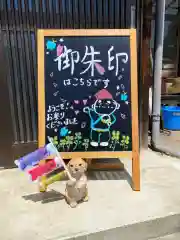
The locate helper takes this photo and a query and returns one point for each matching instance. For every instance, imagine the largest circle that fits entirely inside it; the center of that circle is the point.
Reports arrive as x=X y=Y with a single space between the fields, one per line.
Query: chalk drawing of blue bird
x=50 y=45
x=63 y=132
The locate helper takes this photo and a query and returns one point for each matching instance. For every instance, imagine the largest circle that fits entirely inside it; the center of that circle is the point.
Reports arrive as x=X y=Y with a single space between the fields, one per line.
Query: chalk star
x=118 y=87
x=56 y=93
x=55 y=130
x=122 y=86
x=55 y=85
x=47 y=53
x=63 y=100
x=61 y=40
x=126 y=102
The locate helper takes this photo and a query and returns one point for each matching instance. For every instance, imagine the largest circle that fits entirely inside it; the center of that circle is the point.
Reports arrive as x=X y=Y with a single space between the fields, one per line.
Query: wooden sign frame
x=134 y=154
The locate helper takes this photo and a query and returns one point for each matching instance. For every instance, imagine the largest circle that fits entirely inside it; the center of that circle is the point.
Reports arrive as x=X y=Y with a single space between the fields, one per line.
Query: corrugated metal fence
x=19 y=20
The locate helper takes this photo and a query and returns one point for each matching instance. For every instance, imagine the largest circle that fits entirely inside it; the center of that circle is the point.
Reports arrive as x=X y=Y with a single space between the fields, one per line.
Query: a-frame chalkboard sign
x=87 y=94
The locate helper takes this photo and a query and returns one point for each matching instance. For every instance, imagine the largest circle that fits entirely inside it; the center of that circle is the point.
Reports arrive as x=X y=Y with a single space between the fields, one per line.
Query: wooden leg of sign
x=136 y=171
x=134 y=109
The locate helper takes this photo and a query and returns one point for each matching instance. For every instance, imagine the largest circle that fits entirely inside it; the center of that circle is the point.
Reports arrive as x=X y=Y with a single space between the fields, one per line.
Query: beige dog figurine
x=76 y=191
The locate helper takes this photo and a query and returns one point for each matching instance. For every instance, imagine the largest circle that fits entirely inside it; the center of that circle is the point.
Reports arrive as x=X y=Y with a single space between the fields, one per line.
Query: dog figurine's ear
x=85 y=166
x=68 y=165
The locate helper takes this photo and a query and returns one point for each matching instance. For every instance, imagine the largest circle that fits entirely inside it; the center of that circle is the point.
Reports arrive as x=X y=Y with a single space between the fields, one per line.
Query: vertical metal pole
x=178 y=44
x=133 y=16
x=157 y=71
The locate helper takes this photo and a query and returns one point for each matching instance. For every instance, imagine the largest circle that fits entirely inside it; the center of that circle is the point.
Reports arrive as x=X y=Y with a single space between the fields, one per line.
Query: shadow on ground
x=46 y=197
x=115 y=174
x=94 y=175
x=110 y=175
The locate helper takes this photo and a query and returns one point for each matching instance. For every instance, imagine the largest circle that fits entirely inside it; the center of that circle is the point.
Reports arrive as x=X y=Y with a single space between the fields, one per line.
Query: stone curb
x=138 y=231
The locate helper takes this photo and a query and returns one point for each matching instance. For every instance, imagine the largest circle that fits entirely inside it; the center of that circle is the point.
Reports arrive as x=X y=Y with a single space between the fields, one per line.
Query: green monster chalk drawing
x=69 y=141
x=115 y=139
x=62 y=144
x=55 y=140
x=125 y=141
x=85 y=143
x=77 y=139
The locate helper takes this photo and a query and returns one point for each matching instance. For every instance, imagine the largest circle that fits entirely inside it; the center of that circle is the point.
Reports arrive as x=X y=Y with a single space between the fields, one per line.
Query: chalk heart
x=59 y=50
x=76 y=101
x=84 y=101
x=100 y=68
x=76 y=112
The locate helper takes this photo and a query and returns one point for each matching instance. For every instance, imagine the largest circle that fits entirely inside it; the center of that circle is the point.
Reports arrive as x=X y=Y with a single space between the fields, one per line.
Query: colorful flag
x=45 y=168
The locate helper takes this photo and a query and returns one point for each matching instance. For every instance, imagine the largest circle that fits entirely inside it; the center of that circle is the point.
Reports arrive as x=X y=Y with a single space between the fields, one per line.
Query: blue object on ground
x=171 y=117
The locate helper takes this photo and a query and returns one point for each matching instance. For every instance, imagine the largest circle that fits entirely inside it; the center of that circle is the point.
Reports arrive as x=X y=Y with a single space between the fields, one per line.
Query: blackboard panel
x=88 y=93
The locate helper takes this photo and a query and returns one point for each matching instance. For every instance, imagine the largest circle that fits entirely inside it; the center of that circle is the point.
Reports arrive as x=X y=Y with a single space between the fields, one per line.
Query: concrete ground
x=113 y=212
x=174 y=236
x=172 y=140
